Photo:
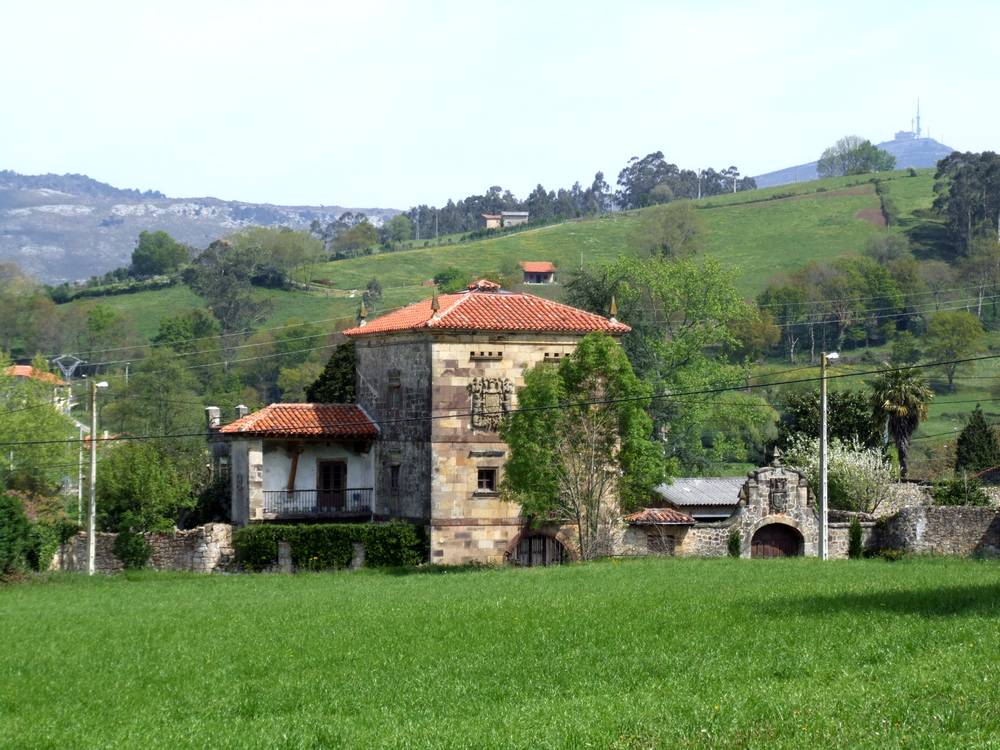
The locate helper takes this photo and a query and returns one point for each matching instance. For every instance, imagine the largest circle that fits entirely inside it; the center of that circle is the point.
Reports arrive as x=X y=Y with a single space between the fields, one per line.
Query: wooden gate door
x=539 y=549
x=776 y=540
x=331 y=483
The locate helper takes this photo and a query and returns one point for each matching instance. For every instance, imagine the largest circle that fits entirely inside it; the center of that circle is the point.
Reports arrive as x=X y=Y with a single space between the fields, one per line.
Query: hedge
x=325 y=546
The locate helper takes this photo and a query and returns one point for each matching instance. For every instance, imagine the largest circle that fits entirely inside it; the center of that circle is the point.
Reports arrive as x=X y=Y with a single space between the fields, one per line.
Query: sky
x=390 y=104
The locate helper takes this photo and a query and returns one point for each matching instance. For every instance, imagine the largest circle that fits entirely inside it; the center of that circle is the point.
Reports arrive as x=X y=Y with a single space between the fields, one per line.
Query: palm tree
x=899 y=404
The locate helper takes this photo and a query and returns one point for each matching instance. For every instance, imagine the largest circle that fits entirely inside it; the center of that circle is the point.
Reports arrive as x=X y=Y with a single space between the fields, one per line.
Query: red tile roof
x=27 y=371
x=537 y=266
x=346 y=421
x=490 y=311
x=659 y=517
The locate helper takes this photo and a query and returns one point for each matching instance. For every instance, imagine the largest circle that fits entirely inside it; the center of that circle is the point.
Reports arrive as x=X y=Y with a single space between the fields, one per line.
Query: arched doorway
x=776 y=540
x=539 y=549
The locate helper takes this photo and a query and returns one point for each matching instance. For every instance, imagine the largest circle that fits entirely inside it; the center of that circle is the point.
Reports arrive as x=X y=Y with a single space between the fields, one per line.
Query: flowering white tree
x=858 y=478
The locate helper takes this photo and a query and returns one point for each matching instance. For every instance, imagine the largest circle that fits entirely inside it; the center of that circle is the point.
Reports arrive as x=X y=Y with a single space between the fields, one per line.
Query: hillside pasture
x=652 y=653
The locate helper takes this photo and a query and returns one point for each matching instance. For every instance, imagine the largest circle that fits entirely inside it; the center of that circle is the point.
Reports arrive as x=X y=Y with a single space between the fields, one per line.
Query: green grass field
x=636 y=654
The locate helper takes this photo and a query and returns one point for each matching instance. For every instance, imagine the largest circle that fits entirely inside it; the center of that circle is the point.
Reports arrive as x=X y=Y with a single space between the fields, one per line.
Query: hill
x=68 y=227
x=910 y=151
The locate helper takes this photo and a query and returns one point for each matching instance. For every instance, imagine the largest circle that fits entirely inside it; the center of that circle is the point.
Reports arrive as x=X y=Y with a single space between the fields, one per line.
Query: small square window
x=487 y=481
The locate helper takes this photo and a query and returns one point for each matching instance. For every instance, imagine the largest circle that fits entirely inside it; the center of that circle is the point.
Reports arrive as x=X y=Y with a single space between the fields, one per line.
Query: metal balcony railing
x=318 y=503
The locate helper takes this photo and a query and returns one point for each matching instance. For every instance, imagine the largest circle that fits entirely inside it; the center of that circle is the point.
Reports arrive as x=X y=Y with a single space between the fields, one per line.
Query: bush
x=326 y=546
x=131 y=548
x=855 y=547
x=14 y=534
x=891 y=555
x=735 y=544
x=44 y=538
x=963 y=490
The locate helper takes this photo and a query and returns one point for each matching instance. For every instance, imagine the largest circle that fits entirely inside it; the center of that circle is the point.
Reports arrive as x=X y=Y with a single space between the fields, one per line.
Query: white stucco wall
x=278 y=464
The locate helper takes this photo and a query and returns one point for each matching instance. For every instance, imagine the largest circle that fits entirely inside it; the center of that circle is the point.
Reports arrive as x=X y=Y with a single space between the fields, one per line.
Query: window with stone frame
x=486 y=480
x=394 y=395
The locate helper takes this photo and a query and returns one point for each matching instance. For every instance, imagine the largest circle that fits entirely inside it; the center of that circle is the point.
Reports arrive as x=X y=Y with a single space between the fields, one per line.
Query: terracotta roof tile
x=537 y=266
x=27 y=371
x=490 y=311
x=346 y=421
x=659 y=517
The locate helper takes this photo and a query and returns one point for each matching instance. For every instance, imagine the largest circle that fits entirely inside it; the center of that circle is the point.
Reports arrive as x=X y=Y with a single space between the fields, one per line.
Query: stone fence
x=942 y=530
x=204 y=549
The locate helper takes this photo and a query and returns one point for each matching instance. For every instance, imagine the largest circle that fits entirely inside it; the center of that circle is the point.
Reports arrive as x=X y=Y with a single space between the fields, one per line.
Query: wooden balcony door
x=331 y=483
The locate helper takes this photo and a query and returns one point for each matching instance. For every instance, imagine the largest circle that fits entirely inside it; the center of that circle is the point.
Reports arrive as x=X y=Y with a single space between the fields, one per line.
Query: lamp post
x=824 y=544
x=92 y=509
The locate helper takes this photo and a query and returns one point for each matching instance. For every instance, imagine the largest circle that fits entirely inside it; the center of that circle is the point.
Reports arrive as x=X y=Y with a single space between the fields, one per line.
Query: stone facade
x=204 y=549
x=465 y=380
x=949 y=530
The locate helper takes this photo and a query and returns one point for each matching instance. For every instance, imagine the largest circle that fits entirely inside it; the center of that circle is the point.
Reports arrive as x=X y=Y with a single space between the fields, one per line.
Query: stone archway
x=777 y=540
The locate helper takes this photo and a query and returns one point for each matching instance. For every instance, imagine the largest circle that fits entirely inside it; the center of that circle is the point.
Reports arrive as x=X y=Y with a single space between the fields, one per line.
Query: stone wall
x=204 y=549
x=946 y=530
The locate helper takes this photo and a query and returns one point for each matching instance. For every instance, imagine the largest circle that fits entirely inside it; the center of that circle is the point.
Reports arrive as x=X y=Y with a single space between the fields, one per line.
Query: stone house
x=436 y=377
x=299 y=462
x=492 y=221
x=505 y=219
x=538 y=272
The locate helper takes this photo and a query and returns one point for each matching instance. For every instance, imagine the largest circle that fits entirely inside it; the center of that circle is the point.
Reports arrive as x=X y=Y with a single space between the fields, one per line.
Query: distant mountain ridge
x=71 y=226
x=909 y=151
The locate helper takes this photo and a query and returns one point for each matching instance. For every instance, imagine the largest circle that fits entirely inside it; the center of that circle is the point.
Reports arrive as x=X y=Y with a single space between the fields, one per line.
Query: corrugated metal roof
x=702 y=490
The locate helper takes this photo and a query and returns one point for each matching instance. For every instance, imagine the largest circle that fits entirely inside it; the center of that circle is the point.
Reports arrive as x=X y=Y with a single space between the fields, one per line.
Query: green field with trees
x=620 y=654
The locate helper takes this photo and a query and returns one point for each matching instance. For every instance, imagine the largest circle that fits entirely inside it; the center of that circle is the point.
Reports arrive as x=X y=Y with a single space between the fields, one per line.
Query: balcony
x=354 y=504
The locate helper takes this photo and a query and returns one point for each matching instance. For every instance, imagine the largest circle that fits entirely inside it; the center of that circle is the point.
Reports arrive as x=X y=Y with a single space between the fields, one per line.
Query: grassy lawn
x=636 y=654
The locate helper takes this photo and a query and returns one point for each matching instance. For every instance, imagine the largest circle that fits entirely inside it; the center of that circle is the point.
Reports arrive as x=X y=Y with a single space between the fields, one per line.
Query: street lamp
x=92 y=510
x=824 y=544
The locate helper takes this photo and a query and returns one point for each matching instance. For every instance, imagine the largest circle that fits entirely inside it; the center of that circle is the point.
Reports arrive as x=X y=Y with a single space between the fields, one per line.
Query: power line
x=547 y=407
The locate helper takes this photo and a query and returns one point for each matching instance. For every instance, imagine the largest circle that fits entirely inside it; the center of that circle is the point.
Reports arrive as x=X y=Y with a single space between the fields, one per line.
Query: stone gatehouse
x=437 y=377
x=775 y=516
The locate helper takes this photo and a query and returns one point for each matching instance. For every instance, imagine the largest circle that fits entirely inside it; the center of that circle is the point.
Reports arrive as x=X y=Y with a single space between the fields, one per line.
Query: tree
x=952 y=336
x=399 y=229
x=278 y=252
x=335 y=385
x=138 y=485
x=293 y=382
x=858 y=478
x=580 y=443
x=978 y=447
x=222 y=276
x=904 y=349
x=854 y=155
x=14 y=530
x=968 y=196
x=359 y=237
x=639 y=178
x=849 y=412
x=157 y=253
x=451 y=279
x=675 y=230
x=899 y=404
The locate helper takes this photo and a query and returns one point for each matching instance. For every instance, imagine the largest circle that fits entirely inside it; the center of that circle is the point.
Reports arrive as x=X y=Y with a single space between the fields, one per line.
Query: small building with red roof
x=437 y=377
x=538 y=272
x=299 y=461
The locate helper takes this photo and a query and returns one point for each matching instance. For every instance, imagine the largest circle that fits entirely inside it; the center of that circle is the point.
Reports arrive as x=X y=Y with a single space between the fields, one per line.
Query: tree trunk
x=903 y=448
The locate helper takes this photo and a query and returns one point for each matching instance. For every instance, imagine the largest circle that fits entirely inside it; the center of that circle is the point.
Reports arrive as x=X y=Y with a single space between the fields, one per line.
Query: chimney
x=242 y=410
x=213 y=417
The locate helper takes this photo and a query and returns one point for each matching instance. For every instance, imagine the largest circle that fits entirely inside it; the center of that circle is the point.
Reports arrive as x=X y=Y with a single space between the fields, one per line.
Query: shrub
x=326 y=546
x=962 y=490
x=855 y=548
x=734 y=545
x=858 y=478
x=44 y=538
x=131 y=546
x=890 y=554
x=14 y=532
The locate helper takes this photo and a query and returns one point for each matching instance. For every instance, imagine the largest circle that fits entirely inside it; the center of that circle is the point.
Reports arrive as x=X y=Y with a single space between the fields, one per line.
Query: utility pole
x=79 y=482
x=824 y=545
x=92 y=507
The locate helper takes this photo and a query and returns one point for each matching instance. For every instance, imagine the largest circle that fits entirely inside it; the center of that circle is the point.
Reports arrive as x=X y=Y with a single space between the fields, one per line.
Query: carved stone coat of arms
x=491 y=400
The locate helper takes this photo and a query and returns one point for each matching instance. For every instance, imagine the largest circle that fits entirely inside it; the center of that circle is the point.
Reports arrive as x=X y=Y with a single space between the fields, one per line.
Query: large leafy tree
x=157 y=253
x=952 y=336
x=684 y=315
x=900 y=399
x=140 y=485
x=580 y=442
x=850 y=418
x=335 y=385
x=279 y=251
x=968 y=196
x=854 y=155
x=675 y=230
x=222 y=276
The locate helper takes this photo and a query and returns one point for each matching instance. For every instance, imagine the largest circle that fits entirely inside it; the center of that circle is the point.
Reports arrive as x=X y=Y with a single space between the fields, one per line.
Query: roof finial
x=614 y=310
x=776 y=458
x=435 y=303
x=362 y=313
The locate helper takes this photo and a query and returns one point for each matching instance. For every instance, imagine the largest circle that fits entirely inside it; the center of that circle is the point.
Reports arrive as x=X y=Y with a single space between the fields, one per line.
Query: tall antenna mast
x=918 y=117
